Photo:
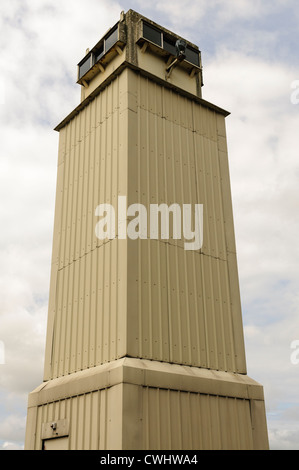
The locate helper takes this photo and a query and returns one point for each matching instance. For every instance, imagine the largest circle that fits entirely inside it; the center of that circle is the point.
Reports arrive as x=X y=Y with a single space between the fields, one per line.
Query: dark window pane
x=152 y=34
x=99 y=53
x=192 y=56
x=85 y=66
x=169 y=46
x=111 y=39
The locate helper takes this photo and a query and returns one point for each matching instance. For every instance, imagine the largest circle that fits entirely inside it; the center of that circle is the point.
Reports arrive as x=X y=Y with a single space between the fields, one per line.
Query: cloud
x=11 y=446
x=42 y=43
x=263 y=158
x=284 y=436
x=187 y=15
x=193 y=12
x=12 y=430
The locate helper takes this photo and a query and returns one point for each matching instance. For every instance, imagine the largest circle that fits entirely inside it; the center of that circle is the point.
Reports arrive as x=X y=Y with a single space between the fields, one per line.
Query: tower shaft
x=145 y=346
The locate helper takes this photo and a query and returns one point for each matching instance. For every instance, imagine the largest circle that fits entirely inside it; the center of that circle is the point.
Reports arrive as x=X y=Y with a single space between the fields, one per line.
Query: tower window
x=85 y=66
x=167 y=42
x=99 y=53
x=192 y=56
x=152 y=34
x=169 y=45
x=111 y=39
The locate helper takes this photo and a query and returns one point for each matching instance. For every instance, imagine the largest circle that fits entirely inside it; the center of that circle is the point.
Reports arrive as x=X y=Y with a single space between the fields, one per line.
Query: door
x=58 y=443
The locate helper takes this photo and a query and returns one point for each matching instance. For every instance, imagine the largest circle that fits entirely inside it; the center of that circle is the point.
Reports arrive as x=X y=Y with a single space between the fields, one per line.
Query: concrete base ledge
x=148 y=374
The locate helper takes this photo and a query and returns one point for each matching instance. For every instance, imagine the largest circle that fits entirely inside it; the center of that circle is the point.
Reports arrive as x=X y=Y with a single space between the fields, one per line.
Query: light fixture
x=180 y=47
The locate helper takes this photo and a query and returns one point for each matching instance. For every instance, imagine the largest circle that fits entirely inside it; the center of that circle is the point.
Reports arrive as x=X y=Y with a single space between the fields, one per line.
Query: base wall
x=177 y=420
x=93 y=421
x=135 y=404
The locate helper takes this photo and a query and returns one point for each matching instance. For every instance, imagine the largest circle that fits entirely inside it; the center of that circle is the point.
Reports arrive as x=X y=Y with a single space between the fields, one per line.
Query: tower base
x=132 y=404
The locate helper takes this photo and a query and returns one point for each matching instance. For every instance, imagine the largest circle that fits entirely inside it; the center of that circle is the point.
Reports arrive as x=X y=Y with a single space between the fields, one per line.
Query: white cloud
x=42 y=43
x=188 y=15
x=284 y=436
x=13 y=431
x=263 y=158
x=11 y=446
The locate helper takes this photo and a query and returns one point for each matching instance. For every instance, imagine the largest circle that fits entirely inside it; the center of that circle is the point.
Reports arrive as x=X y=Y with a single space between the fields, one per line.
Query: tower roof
x=148 y=48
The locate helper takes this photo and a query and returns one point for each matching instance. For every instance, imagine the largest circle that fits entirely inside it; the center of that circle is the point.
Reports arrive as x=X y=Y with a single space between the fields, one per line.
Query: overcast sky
x=251 y=64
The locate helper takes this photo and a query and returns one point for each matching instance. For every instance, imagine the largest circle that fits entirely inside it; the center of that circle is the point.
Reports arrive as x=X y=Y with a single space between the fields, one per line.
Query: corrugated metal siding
x=163 y=419
x=187 y=302
x=89 y=324
x=92 y=419
x=88 y=312
x=186 y=421
x=94 y=172
x=144 y=298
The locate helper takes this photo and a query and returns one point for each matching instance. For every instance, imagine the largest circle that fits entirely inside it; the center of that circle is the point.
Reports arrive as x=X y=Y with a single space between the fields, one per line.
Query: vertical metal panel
x=93 y=162
x=184 y=420
x=145 y=298
x=178 y=161
x=90 y=318
x=156 y=419
x=89 y=295
x=94 y=419
x=259 y=425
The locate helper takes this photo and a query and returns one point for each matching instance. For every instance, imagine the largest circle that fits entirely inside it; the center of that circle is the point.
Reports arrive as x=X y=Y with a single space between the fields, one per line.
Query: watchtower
x=145 y=346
